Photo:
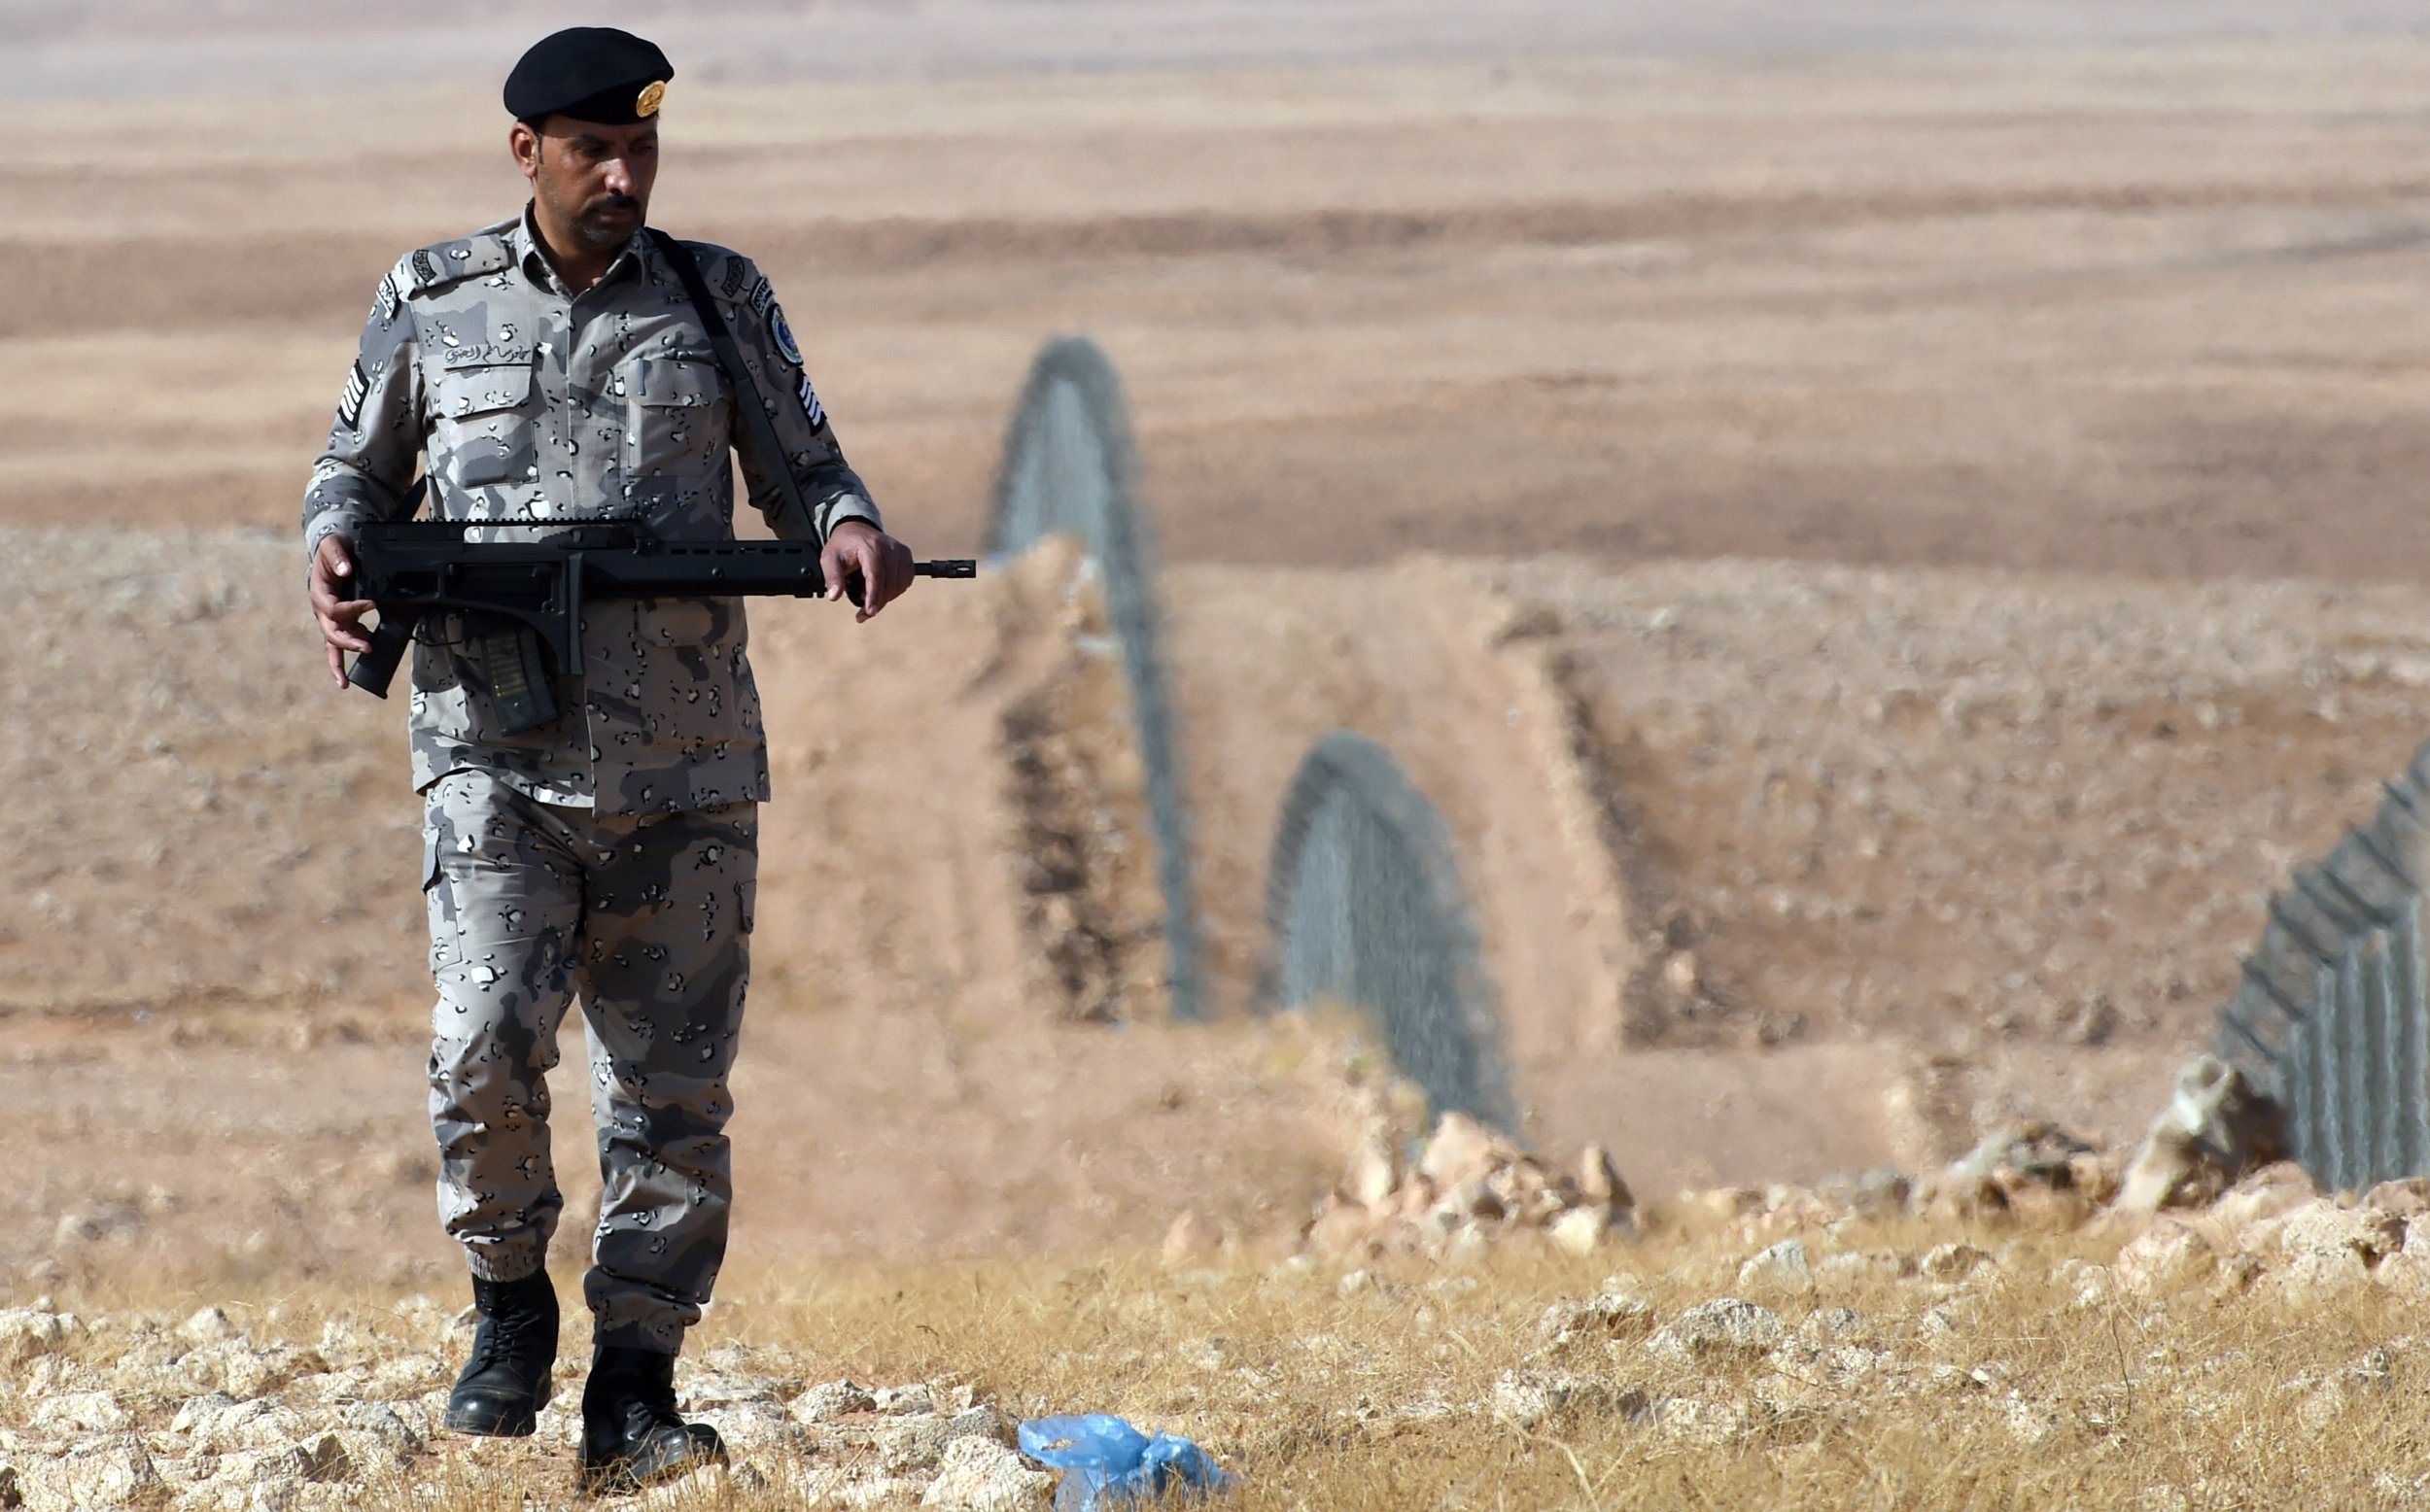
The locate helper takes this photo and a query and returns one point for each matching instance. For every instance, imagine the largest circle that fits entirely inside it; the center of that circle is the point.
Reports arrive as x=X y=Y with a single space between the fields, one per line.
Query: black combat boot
x=631 y=1435
x=505 y=1382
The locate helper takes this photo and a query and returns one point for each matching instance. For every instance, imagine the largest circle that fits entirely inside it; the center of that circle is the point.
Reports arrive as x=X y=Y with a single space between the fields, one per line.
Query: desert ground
x=1884 y=530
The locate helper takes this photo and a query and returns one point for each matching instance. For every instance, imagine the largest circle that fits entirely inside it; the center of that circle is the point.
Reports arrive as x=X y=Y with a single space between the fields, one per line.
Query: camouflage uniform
x=613 y=852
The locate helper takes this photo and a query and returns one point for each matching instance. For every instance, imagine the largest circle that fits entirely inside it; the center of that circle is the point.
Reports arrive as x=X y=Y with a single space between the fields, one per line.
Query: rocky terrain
x=1916 y=1341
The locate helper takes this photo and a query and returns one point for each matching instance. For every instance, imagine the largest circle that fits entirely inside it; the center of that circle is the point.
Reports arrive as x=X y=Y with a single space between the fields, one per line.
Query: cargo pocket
x=484 y=435
x=440 y=900
x=672 y=423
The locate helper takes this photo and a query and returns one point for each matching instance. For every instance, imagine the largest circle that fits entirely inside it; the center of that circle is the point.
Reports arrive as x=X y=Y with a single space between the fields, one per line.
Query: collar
x=524 y=240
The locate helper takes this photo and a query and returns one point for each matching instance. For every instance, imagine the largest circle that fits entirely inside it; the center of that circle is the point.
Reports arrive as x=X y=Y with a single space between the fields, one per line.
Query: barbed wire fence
x=1069 y=468
x=2331 y=1014
x=1365 y=907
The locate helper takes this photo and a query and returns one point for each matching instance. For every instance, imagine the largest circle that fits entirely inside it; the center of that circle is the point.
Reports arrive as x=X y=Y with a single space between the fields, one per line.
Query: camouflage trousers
x=648 y=919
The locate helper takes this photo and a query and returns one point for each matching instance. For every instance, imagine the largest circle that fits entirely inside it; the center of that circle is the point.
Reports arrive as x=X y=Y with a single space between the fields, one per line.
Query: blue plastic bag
x=1108 y=1463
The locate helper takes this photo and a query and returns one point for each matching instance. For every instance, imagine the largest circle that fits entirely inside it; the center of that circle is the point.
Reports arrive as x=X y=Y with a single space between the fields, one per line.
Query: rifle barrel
x=759 y=567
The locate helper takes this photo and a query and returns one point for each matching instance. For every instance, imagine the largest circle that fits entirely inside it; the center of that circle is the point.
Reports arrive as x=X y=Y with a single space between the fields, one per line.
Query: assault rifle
x=523 y=599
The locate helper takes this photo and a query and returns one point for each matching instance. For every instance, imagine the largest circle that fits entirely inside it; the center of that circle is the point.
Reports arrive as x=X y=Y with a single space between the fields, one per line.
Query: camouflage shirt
x=532 y=403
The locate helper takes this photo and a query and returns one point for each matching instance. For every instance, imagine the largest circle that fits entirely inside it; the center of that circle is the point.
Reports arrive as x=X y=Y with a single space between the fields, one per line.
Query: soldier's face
x=591 y=181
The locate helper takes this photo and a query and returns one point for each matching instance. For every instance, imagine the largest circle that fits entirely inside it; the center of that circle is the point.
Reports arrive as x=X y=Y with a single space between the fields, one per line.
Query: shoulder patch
x=723 y=272
x=446 y=262
x=391 y=292
x=781 y=334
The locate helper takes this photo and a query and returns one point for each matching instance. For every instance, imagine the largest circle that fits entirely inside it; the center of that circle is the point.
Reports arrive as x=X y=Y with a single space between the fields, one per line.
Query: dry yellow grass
x=2034 y=1381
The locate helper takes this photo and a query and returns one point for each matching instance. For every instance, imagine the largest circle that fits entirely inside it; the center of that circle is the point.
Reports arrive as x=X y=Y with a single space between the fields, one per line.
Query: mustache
x=610 y=202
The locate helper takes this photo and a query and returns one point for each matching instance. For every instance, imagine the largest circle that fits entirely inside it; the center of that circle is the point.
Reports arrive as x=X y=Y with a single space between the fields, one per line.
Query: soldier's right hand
x=341 y=617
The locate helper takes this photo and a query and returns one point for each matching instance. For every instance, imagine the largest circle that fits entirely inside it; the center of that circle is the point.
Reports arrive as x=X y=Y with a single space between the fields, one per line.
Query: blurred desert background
x=1885 y=528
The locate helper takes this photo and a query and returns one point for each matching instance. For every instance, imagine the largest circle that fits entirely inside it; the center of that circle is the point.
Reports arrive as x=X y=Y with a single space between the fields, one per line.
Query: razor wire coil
x=1069 y=468
x=1366 y=908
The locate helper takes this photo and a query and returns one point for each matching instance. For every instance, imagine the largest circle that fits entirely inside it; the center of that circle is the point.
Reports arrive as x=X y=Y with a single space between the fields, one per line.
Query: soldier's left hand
x=856 y=548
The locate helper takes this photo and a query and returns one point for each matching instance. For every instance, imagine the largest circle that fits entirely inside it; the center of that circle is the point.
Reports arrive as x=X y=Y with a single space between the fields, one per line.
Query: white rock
x=344 y=1343
x=372 y=1455
x=1580 y=1229
x=1725 y=1325
x=980 y=1420
x=253 y=1424
x=1468 y=1244
x=2087 y=1284
x=2215 y=1113
x=719 y=1388
x=2408 y=1270
x=384 y=1422
x=1693 y=1421
x=207 y=1325
x=2162 y=1257
x=1373 y=1176
x=748 y=1427
x=25 y=1333
x=1836 y=1325
x=411 y=1375
x=903 y=1400
x=102 y=1474
x=1784 y=1267
x=254 y=1372
x=2028 y=1422
x=57 y=1375
x=81 y=1412
x=833 y=1399
x=1524 y=1399
x=982 y=1475
x=1462 y=1150
x=1614 y=1315
x=199 y=1413
x=828 y=1487
x=2328 y=1247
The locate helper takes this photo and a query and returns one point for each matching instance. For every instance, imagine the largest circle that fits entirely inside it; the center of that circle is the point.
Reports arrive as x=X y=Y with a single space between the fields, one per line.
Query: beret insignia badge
x=653 y=95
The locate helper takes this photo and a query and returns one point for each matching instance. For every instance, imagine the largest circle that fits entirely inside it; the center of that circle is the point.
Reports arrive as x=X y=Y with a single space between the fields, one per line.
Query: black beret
x=590 y=72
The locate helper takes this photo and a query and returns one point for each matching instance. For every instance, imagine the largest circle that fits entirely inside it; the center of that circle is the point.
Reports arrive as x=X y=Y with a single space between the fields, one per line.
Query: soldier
x=551 y=367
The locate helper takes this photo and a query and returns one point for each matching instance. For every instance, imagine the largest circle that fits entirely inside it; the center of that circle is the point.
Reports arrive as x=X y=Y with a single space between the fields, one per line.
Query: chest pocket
x=675 y=425
x=485 y=433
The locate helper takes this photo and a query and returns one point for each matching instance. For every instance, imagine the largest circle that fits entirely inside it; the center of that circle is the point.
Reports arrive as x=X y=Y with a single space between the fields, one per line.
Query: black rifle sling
x=746 y=398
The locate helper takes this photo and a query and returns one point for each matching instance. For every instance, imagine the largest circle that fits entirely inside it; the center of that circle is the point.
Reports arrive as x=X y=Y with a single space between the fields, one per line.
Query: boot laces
x=503 y=1333
x=654 y=1398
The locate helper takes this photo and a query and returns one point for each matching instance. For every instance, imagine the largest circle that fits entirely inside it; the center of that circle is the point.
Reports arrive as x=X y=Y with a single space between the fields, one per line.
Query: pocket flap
x=477 y=390
x=686 y=381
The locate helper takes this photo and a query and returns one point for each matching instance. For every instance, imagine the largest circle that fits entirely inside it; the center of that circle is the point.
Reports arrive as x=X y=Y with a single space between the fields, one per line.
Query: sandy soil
x=1779 y=871
x=2150 y=309
x=2064 y=388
